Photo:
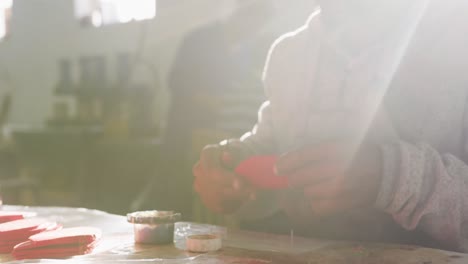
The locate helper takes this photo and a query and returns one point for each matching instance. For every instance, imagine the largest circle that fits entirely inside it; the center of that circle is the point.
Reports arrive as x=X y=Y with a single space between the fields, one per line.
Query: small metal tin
x=153 y=227
x=203 y=243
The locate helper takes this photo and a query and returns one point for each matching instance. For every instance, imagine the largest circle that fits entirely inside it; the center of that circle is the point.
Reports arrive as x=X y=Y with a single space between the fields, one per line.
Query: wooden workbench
x=240 y=247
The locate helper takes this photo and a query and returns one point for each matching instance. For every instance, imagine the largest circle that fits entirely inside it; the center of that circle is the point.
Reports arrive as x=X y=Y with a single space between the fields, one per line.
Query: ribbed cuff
x=390 y=174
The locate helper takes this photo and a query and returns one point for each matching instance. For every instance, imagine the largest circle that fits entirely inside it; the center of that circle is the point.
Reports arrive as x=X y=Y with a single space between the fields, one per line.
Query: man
x=235 y=49
x=367 y=111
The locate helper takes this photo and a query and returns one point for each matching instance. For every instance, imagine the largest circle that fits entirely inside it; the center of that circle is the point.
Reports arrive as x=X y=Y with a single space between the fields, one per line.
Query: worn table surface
x=117 y=246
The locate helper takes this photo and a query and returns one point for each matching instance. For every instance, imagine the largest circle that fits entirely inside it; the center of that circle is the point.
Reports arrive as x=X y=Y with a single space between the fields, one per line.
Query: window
x=5 y=16
x=105 y=12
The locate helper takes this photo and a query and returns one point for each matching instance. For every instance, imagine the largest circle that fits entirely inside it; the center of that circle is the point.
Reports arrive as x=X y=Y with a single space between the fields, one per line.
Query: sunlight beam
x=400 y=52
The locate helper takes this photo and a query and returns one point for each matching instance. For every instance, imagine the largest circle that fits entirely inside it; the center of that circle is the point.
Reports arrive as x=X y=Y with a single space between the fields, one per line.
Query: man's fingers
x=209 y=158
x=196 y=186
x=228 y=160
x=220 y=177
x=209 y=172
x=211 y=168
x=233 y=153
x=219 y=187
x=297 y=159
x=197 y=170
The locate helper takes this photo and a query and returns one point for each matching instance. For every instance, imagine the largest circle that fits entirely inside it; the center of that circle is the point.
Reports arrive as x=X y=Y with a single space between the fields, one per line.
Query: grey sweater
x=407 y=91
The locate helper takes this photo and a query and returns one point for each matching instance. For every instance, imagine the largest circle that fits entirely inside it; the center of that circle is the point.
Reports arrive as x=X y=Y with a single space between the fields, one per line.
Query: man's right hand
x=219 y=187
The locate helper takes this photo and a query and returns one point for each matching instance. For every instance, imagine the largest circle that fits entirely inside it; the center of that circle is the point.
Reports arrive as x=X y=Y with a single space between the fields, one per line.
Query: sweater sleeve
x=426 y=190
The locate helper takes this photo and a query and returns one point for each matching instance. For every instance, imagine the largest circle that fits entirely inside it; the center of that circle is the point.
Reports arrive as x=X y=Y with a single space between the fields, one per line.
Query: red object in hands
x=62 y=243
x=259 y=171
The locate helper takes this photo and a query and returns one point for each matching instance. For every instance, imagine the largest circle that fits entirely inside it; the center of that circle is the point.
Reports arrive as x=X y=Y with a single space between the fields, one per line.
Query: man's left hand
x=334 y=177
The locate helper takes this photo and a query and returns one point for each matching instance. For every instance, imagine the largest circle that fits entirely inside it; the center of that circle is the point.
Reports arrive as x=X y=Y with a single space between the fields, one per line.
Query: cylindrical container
x=154 y=227
x=203 y=243
x=185 y=229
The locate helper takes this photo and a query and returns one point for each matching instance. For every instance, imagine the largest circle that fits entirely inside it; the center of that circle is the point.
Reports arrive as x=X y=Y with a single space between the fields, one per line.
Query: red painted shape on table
x=6 y=216
x=14 y=232
x=58 y=244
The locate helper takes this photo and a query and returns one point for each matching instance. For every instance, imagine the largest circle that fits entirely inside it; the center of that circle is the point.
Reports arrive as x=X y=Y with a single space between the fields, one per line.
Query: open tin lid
x=154 y=217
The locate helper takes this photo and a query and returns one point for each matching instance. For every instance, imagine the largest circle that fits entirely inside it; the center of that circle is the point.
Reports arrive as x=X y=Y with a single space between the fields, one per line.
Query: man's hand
x=333 y=177
x=220 y=189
